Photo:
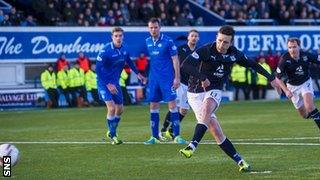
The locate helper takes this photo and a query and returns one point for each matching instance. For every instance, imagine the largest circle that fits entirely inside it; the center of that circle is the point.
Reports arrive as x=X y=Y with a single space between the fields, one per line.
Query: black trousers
x=126 y=97
x=262 y=91
x=82 y=92
x=66 y=93
x=244 y=87
x=53 y=96
x=95 y=96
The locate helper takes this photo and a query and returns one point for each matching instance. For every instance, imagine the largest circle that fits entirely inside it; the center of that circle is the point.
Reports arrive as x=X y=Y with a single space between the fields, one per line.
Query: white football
x=9 y=150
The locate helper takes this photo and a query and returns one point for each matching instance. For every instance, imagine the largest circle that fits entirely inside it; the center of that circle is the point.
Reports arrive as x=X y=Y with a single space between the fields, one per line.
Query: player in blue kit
x=110 y=63
x=164 y=79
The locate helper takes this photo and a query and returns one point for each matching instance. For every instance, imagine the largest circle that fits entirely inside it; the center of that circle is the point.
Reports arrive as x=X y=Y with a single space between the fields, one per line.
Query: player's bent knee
x=172 y=105
x=173 y=110
x=303 y=112
x=204 y=121
x=111 y=109
x=183 y=111
x=154 y=106
x=119 y=110
x=310 y=108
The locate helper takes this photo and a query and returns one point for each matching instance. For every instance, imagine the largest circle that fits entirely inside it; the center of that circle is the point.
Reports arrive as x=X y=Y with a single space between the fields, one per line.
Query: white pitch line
x=96 y=142
x=274 y=139
x=260 y=172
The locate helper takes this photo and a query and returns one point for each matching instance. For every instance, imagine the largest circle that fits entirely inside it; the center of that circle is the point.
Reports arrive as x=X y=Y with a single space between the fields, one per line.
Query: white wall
x=11 y=74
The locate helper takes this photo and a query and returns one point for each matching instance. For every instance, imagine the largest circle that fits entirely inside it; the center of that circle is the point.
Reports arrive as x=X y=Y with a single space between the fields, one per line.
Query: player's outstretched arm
x=190 y=65
x=284 y=88
x=132 y=65
x=314 y=58
x=244 y=61
x=142 y=78
x=112 y=88
x=135 y=70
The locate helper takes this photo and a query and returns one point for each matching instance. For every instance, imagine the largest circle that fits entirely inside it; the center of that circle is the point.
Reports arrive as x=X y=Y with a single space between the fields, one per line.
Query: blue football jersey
x=160 y=52
x=110 y=63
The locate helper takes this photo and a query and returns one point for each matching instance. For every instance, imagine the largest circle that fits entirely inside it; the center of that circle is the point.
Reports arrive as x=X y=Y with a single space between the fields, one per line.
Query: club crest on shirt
x=278 y=70
x=174 y=48
x=159 y=45
x=304 y=58
x=195 y=55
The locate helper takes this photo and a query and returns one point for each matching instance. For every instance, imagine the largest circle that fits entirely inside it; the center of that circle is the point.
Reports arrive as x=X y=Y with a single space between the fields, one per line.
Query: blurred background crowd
x=137 y=12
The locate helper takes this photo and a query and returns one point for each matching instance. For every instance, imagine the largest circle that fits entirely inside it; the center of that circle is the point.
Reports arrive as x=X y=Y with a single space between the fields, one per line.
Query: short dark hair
x=193 y=30
x=294 y=39
x=116 y=29
x=154 y=20
x=227 y=30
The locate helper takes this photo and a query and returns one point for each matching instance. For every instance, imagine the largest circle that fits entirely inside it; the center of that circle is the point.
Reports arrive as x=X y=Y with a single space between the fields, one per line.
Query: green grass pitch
x=269 y=135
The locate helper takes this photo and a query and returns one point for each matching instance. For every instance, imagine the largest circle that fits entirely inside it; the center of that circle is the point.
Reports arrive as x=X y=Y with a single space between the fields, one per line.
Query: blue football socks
x=112 y=125
x=154 y=123
x=174 y=116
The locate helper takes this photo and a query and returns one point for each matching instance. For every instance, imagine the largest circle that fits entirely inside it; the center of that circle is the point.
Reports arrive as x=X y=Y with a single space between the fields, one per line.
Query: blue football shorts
x=106 y=95
x=158 y=91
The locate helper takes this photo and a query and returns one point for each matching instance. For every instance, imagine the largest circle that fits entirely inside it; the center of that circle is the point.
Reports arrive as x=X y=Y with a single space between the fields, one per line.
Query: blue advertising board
x=45 y=44
x=22 y=98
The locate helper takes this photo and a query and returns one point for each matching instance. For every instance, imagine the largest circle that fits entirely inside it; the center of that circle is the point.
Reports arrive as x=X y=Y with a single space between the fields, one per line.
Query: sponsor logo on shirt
x=299 y=71
x=155 y=52
x=219 y=71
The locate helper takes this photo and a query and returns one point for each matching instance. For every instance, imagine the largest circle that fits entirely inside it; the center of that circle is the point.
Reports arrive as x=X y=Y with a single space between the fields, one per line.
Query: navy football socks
x=199 y=132
x=229 y=149
x=315 y=115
